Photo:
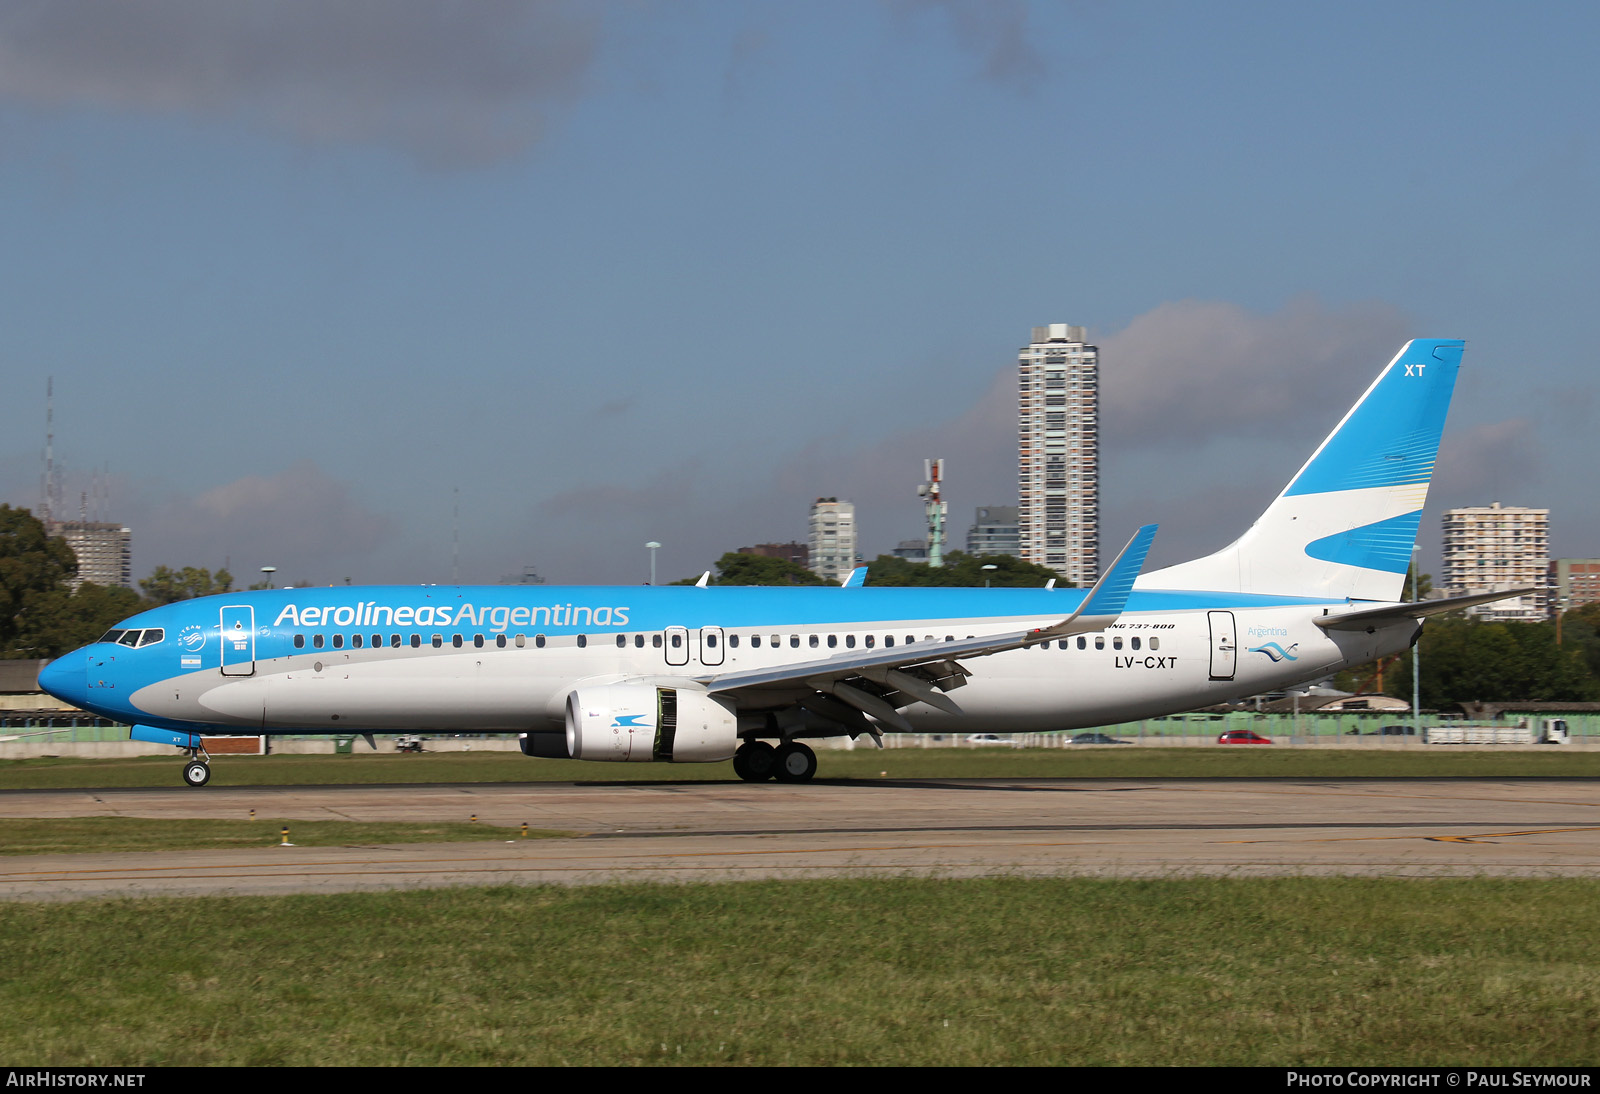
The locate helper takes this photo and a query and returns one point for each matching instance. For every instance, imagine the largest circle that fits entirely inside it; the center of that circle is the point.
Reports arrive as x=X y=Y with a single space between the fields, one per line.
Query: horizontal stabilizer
x=1395 y=613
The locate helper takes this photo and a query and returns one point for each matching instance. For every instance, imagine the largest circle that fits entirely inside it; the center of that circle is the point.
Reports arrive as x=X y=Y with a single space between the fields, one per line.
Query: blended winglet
x=1109 y=596
x=855 y=578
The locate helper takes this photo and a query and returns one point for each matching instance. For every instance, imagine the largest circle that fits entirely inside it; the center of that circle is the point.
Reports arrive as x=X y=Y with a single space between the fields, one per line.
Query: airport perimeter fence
x=1352 y=728
x=1357 y=729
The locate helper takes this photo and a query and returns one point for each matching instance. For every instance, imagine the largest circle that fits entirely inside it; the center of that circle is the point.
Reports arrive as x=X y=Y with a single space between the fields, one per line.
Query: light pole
x=266 y=575
x=654 y=547
x=1416 y=672
x=986 y=574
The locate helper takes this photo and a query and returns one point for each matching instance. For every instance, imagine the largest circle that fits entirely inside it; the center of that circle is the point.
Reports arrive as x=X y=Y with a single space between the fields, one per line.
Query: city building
x=1573 y=583
x=104 y=551
x=1493 y=547
x=994 y=532
x=833 y=538
x=797 y=553
x=1058 y=457
x=912 y=550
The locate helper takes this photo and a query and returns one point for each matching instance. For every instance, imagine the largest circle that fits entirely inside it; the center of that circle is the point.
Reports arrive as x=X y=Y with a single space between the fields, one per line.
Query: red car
x=1242 y=737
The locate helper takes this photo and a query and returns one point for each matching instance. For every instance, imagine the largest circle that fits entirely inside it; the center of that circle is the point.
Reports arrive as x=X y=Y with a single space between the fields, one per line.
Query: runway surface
x=949 y=827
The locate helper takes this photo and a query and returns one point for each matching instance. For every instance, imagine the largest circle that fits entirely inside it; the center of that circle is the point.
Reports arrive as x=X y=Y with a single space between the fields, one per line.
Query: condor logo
x=1276 y=653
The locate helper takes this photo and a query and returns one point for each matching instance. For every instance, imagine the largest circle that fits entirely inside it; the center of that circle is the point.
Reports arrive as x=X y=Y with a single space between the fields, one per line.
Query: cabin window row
x=675 y=640
x=1134 y=642
x=396 y=641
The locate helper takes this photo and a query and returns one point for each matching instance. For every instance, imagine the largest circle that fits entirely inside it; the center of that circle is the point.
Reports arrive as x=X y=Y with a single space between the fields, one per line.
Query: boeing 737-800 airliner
x=702 y=675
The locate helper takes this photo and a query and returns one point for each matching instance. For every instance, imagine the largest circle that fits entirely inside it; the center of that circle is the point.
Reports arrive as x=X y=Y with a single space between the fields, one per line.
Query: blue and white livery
x=703 y=675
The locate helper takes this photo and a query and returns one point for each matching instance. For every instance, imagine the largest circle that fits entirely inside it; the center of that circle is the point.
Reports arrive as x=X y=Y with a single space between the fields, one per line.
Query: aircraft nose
x=67 y=677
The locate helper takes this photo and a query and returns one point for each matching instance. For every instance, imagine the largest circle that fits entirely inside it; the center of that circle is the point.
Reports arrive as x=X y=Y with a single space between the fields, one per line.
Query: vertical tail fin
x=1345 y=524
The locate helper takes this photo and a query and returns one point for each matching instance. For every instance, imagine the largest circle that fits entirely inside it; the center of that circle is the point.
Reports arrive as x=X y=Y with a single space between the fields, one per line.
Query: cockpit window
x=129 y=638
x=111 y=636
x=152 y=635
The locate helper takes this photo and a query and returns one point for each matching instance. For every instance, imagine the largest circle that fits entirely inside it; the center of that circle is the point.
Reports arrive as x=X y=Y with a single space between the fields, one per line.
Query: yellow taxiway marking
x=1478 y=837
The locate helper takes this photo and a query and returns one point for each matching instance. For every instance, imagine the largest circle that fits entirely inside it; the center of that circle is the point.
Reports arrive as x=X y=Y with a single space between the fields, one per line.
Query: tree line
x=42 y=615
x=959 y=570
x=1465 y=659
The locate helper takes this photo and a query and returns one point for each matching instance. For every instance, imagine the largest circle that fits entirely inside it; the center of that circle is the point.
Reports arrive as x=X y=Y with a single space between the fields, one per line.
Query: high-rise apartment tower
x=104 y=551
x=833 y=538
x=1489 y=547
x=1058 y=459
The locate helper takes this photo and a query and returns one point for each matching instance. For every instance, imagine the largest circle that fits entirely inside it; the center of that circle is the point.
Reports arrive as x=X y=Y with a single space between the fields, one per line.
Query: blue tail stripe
x=1392 y=436
x=1385 y=545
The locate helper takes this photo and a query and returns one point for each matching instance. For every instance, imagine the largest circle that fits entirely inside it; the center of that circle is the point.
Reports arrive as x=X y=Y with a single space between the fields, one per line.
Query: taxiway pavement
x=653 y=831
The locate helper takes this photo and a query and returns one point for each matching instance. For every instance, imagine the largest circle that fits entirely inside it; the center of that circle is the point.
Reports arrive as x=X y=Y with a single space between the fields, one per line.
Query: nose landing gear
x=197 y=768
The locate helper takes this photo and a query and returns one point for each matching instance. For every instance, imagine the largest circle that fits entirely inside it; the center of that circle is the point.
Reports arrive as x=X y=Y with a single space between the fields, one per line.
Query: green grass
x=92 y=835
x=1291 y=971
x=863 y=763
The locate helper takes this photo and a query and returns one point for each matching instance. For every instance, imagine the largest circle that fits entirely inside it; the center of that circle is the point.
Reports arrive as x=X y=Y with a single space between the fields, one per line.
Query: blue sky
x=612 y=272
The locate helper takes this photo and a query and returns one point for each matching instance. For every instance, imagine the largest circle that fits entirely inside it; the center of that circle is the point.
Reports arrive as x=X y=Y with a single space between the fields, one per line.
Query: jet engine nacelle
x=639 y=723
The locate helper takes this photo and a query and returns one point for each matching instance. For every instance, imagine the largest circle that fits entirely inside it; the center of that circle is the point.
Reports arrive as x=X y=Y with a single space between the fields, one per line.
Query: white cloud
x=300 y=520
x=1191 y=370
x=1491 y=461
x=1207 y=408
x=996 y=31
x=451 y=84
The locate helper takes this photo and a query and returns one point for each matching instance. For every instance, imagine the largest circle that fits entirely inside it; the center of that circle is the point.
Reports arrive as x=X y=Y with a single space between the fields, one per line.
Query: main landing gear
x=790 y=762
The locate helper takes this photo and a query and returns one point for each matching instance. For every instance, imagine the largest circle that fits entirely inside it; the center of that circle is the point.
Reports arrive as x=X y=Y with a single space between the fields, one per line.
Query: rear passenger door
x=1224 y=645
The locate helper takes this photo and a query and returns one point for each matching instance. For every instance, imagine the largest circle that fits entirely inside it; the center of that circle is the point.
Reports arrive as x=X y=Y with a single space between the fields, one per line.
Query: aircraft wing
x=1394 y=613
x=878 y=681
